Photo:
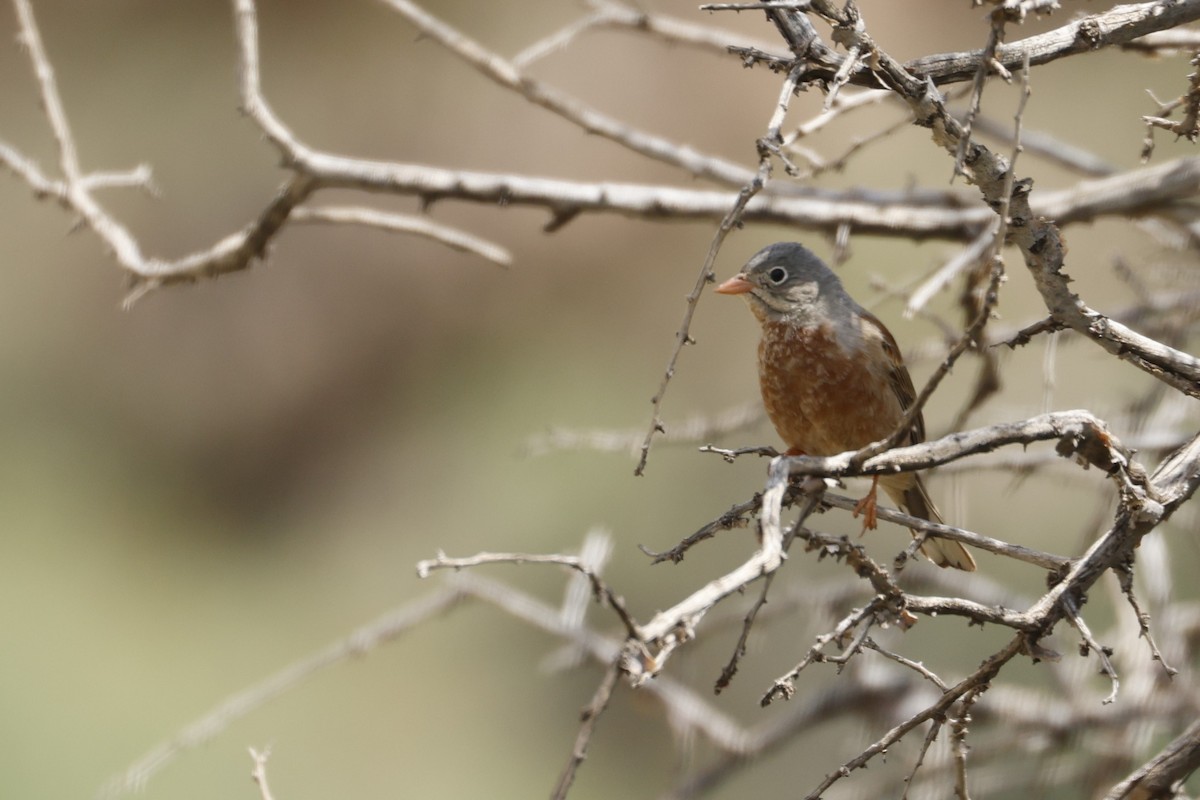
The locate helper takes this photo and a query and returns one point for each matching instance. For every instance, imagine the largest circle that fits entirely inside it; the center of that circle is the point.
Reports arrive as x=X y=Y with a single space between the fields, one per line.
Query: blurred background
x=231 y=475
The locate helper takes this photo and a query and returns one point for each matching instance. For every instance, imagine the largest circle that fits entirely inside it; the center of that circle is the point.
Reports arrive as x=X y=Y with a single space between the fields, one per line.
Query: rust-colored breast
x=821 y=397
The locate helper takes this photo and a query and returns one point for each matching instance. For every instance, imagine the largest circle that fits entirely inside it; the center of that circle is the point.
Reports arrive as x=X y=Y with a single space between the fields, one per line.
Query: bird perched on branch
x=832 y=377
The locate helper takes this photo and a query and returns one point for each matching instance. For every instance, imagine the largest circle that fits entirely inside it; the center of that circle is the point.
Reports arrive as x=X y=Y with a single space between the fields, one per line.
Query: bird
x=832 y=377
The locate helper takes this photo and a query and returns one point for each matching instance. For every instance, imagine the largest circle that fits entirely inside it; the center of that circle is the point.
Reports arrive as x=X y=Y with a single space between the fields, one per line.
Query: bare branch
x=673 y=627
x=935 y=727
x=1039 y=239
x=601 y=589
x=979 y=678
x=1079 y=434
x=1090 y=645
x=767 y=146
x=979 y=541
x=1159 y=776
x=619 y=16
x=736 y=517
x=958 y=740
x=878 y=214
x=1124 y=573
x=404 y=223
x=687 y=710
x=382 y=630
x=964 y=259
x=591 y=713
x=1118 y=25
x=259 y=774
x=915 y=666
x=56 y=115
x=1189 y=126
x=858 y=619
x=690 y=430
x=74 y=192
x=590 y=120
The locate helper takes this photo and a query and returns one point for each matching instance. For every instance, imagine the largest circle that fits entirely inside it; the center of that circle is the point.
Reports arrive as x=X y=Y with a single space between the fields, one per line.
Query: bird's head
x=785 y=281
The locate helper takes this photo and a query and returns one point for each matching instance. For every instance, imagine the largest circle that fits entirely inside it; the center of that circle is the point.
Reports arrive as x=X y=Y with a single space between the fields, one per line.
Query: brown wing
x=898 y=377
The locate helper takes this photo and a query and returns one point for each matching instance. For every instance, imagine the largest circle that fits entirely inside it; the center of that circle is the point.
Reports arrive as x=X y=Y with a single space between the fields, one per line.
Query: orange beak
x=735 y=285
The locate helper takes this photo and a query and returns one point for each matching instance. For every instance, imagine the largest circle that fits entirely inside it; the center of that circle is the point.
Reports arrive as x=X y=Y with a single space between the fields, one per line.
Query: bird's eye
x=777 y=275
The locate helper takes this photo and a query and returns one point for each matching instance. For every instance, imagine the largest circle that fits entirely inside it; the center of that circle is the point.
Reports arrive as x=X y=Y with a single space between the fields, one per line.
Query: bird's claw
x=867 y=507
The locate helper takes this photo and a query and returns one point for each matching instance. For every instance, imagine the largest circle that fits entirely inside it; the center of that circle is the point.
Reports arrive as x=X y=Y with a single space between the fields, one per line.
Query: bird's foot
x=867 y=507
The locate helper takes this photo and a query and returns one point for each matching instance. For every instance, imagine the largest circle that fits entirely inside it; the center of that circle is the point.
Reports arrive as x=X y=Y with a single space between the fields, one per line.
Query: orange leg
x=866 y=507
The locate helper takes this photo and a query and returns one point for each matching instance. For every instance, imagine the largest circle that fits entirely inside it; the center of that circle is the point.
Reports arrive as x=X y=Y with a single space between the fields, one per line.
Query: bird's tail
x=914 y=500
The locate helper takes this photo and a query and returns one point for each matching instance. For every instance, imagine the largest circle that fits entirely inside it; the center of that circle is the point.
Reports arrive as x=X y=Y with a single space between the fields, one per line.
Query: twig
x=687 y=710
x=859 y=143
x=259 y=774
x=733 y=454
x=1163 y=42
x=768 y=146
x=979 y=296
x=370 y=636
x=987 y=62
x=1018 y=552
x=1158 y=777
x=1189 y=126
x=1079 y=433
x=676 y=625
x=404 y=223
x=509 y=75
x=739 y=649
x=844 y=697
x=593 y=555
x=794 y=5
x=559 y=40
x=56 y=115
x=854 y=56
x=958 y=739
x=591 y=713
x=915 y=666
x=599 y=587
x=690 y=430
x=979 y=677
x=1039 y=239
x=74 y=193
x=1124 y=573
x=785 y=685
x=964 y=259
x=1026 y=334
x=935 y=727
x=666 y=28
x=1071 y=612
x=842 y=104
x=736 y=517
x=864 y=213
x=970 y=338
x=1116 y=26
x=1113 y=27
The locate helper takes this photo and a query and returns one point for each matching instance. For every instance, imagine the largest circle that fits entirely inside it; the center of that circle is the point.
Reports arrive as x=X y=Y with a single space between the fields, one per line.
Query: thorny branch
x=921 y=215
x=768 y=147
x=599 y=587
x=1039 y=239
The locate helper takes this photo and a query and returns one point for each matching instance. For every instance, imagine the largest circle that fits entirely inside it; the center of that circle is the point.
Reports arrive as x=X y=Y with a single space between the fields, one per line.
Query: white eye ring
x=777 y=275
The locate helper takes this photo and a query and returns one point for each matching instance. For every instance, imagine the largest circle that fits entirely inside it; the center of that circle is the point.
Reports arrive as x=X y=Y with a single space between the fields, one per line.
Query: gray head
x=786 y=280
